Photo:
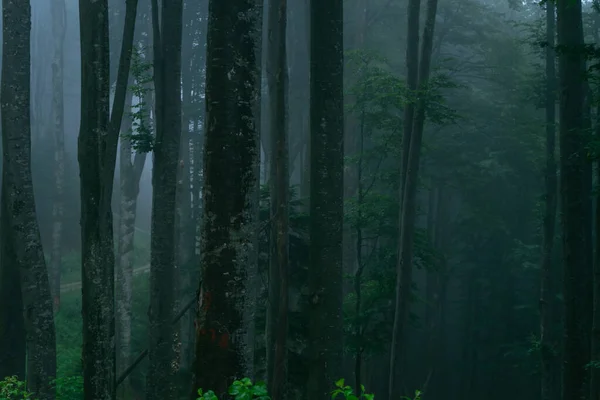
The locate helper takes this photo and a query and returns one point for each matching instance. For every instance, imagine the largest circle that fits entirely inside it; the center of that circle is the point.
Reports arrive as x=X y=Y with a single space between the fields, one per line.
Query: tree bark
x=277 y=312
x=547 y=345
x=12 y=323
x=229 y=223
x=97 y=151
x=571 y=84
x=18 y=197
x=326 y=197
x=167 y=83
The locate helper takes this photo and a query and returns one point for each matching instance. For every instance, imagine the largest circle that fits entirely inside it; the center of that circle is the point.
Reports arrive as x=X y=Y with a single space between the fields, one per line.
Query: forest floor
x=68 y=287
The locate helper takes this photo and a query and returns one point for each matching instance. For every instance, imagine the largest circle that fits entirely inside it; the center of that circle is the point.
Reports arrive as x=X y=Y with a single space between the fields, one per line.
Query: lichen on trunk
x=229 y=218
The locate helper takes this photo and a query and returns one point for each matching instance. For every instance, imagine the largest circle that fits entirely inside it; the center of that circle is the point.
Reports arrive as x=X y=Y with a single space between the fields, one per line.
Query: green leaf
x=340 y=383
x=234 y=389
x=246 y=382
x=259 y=390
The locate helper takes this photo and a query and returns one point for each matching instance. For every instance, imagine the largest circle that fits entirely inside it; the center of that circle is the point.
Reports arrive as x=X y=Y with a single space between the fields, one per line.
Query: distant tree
x=59 y=15
x=418 y=69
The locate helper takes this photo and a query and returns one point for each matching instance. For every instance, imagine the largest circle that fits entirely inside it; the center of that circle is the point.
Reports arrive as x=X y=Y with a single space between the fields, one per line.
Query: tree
x=58 y=12
x=326 y=196
x=277 y=313
x=18 y=200
x=572 y=162
x=167 y=84
x=547 y=346
x=12 y=323
x=97 y=152
x=418 y=78
x=135 y=141
x=229 y=223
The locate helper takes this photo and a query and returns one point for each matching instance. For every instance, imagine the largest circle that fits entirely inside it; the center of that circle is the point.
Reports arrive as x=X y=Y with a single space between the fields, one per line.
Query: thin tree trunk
x=277 y=312
x=326 y=197
x=58 y=11
x=546 y=344
x=130 y=175
x=410 y=176
x=19 y=199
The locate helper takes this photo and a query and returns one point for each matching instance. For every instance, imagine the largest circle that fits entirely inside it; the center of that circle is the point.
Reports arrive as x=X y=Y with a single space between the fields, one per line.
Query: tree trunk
x=277 y=312
x=58 y=11
x=326 y=197
x=229 y=223
x=410 y=176
x=12 y=323
x=19 y=199
x=97 y=152
x=130 y=175
x=547 y=346
x=167 y=84
x=571 y=83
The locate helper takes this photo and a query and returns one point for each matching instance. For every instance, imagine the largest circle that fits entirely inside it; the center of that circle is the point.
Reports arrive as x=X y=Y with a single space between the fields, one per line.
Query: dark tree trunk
x=326 y=197
x=571 y=84
x=547 y=342
x=19 y=199
x=277 y=312
x=12 y=323
x=97 y=152
x=167 y=83
x=229 y=223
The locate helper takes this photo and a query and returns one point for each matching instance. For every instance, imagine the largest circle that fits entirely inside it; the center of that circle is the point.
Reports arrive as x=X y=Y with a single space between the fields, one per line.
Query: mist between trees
x=255 y=199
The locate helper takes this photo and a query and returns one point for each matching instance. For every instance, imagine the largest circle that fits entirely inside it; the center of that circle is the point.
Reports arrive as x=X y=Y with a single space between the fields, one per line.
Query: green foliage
x=11 y=388
x=242 y=389
x=347 y=392
x=140 y=134
x=69 y=388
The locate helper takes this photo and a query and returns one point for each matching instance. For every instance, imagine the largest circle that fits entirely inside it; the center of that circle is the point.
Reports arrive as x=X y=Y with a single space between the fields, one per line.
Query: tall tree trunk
x=59 y=12
x=97 y=152
x=229 y=223
x=410 y=176
x=12 y=323
x=404 y=272
x=277 y=312
x=130 y=175
x=326 y=197
x=19 y=199
x=571 y=83
x=546 y=343
x=186 y=228
x=167 y=84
